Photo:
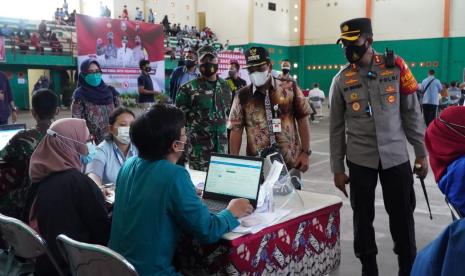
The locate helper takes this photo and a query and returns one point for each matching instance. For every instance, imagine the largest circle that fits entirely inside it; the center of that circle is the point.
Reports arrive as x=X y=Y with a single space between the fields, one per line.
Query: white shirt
x=316 y=93
x=125 y=57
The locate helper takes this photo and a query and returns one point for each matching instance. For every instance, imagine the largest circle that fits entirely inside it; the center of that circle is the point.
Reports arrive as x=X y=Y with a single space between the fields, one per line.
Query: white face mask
x=123 y=135
x=259 y=78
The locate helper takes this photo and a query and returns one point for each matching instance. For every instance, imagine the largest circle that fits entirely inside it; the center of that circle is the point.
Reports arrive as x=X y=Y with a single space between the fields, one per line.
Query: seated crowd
x=22 y=37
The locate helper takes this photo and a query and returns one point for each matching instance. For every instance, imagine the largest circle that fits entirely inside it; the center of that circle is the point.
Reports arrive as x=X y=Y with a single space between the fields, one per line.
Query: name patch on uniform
x=391 y=99
x=390 y=89
x=351 y=81
x=348 y=88
x=208 y=92
x=388 y=79
x=356 y=106
x=386 y=73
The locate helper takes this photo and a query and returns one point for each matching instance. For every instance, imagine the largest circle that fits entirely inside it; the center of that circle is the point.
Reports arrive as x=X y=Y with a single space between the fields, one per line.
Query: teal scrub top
x=155 y=202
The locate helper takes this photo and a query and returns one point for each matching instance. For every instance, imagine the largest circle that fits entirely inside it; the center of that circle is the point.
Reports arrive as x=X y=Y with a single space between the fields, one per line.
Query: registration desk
x=305 y=242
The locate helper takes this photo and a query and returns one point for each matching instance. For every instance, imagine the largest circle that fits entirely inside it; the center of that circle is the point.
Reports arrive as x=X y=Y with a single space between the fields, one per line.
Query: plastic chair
x=23 y=246
x=91 y=259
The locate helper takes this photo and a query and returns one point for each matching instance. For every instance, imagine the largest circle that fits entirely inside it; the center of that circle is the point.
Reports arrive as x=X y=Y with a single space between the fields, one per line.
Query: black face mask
x=286 y=71
x=189 y=63
x=148 y=69
x=232 y=74
x=355 y=53
x=208 y=69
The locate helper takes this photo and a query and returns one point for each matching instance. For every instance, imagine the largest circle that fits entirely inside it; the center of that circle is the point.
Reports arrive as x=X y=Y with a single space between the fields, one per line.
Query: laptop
x=8 y=131
x=230 y=177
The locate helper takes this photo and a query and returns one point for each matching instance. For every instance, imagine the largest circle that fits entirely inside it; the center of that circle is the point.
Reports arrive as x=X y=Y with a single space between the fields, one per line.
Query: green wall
x=17 y=63
x=445 y=55
x=20 y=90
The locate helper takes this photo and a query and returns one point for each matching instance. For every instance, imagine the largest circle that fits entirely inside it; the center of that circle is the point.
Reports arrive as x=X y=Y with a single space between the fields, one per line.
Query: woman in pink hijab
x=62 y=199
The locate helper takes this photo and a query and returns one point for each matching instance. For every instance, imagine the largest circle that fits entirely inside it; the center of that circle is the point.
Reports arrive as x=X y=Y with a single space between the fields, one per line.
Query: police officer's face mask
x=286 y=70
x=354 y=53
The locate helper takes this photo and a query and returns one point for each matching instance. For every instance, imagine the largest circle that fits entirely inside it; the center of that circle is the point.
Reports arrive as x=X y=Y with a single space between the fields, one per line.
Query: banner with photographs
x=119 y=45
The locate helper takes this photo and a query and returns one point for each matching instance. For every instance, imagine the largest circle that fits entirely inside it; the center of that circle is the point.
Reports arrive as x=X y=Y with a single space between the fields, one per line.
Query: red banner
x=119 y=45
x=224 y=59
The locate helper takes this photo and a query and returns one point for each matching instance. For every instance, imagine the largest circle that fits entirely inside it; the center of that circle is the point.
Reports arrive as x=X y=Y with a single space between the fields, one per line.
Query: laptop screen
x=234 y=176
x=8 y=131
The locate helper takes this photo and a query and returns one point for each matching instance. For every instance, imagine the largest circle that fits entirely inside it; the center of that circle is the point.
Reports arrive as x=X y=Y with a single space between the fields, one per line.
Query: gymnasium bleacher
x=66 y=36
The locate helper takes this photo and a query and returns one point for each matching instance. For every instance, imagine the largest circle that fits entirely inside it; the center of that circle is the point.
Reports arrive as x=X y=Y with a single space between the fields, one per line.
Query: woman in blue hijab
x=94 y=100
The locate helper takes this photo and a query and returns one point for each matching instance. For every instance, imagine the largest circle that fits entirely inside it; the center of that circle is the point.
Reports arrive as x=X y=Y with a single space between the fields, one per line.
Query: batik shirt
x=96 y=116
x=288 y=104
x=14 y=170
x=206 y=106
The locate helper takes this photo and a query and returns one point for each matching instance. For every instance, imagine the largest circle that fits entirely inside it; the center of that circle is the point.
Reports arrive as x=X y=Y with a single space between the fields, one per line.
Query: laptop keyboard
x=215 y=206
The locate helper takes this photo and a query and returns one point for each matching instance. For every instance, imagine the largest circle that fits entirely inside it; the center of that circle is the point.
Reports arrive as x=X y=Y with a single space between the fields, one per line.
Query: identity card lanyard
x=269 y=118
x=118 y=156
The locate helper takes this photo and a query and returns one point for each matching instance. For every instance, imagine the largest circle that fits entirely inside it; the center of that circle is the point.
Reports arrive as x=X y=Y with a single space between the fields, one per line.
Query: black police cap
x=352 y=29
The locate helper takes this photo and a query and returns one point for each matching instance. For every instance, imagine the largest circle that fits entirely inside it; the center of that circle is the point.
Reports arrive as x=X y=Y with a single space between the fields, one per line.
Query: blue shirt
x=155 y=202
x=431 y=95
x=108 y=160
x=452 y=184
x=187 y=77
x=445 y=255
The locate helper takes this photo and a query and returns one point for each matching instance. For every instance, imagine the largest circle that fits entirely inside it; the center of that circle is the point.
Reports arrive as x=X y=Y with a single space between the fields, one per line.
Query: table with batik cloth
x=305 y=242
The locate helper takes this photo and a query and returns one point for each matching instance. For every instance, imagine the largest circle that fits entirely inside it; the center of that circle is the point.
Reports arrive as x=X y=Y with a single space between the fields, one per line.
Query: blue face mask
x=91 y=150
x=93 y=79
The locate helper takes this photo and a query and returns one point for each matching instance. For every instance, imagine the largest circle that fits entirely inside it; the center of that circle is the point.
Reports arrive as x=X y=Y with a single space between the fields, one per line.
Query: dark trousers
x=4 y=122
x=399 y=202
x=429 y=112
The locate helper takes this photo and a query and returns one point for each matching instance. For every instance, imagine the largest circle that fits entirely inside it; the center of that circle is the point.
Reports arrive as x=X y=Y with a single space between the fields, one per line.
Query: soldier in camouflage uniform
x=14 y=170
x=206 y=103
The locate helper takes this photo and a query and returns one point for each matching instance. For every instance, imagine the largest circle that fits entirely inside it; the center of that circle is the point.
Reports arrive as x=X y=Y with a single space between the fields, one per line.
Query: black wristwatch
x=308 y=152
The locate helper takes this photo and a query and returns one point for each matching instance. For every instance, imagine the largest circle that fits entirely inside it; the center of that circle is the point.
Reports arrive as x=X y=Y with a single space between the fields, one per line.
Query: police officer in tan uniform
x=374 y=110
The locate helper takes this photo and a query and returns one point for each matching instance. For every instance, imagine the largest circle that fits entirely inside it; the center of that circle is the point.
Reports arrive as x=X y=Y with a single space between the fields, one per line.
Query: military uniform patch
x=350 y=74
x=387 y=73
x=390 y=89
x=354 y=96
x=391 y=99
x=356 y=106
x=351 y=81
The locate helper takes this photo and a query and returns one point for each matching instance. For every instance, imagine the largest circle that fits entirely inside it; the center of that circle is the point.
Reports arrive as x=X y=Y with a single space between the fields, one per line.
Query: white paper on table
x=267 y=219
x=271 y=178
